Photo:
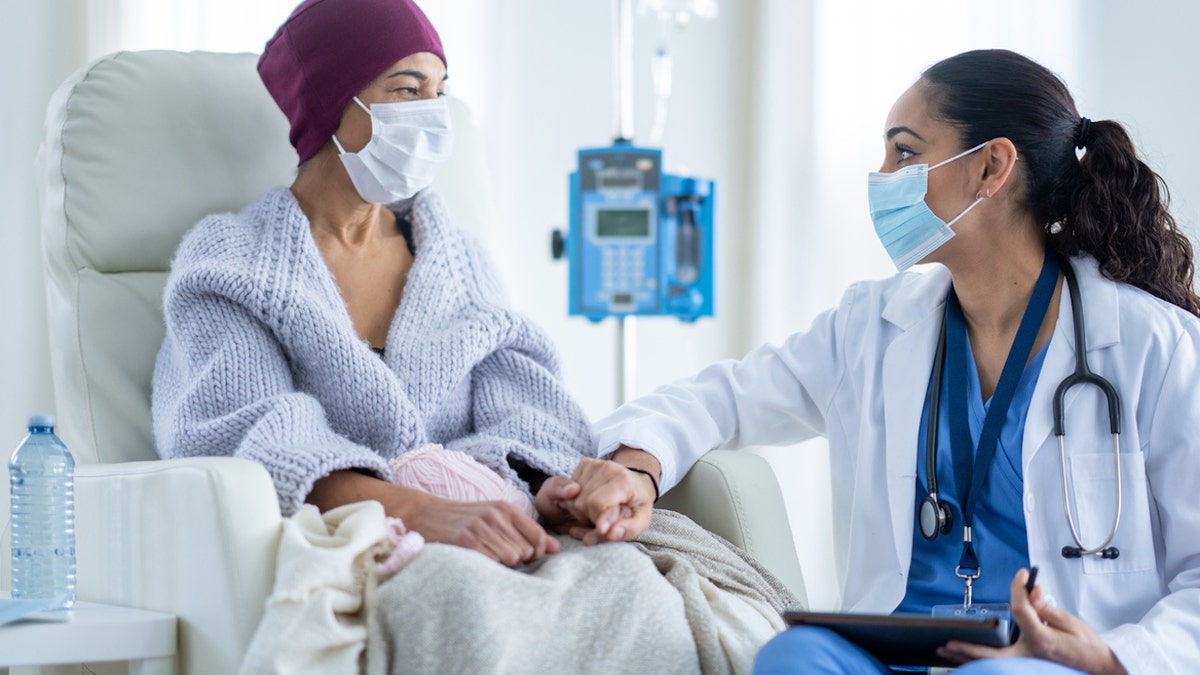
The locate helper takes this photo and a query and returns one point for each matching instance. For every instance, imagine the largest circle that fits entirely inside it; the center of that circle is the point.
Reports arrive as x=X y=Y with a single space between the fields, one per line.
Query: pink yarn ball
x=456 y=475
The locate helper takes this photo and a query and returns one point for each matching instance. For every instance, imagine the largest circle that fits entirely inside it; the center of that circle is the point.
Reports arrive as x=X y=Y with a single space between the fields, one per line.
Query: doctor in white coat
x=982 y=176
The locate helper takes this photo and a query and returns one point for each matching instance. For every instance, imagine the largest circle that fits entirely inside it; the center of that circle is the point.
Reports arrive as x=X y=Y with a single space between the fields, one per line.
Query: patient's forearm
x=496 y=529
x=346 y=487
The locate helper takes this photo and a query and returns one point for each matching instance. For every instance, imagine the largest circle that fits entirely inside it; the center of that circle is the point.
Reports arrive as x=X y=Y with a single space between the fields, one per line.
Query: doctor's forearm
x=1111 y=665
x=638 y=459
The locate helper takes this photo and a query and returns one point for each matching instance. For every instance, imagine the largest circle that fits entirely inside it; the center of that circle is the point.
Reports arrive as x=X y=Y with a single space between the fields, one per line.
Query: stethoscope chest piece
x=935 y=517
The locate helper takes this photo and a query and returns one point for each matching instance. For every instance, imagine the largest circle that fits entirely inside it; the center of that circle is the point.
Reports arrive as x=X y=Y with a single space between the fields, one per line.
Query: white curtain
x=40 y=43
x=209 y=25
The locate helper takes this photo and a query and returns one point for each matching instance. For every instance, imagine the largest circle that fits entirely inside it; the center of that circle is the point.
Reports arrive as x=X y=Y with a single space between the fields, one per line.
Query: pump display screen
x=623 y=223
x=620 y=182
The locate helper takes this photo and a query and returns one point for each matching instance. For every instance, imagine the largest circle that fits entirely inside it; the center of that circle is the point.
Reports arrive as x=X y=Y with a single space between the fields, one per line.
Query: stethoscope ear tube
x=1084 y=375
x=1110 y=553
x=1079 y=550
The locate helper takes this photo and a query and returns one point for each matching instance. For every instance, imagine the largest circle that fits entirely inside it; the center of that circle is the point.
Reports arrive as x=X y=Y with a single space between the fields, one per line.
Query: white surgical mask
x=906 y=227
x=409 y=143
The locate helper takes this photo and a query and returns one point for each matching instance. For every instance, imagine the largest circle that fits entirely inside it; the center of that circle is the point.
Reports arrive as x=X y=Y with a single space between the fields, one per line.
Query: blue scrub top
x=999 y=530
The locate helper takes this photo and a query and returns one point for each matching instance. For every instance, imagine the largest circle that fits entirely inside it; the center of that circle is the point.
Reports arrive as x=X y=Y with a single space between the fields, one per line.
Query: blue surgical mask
x=907 y=228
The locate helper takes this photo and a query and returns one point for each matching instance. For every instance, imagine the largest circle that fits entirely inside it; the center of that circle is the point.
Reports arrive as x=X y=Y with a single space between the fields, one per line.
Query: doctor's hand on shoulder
x=1047 y=633
x=605 y=499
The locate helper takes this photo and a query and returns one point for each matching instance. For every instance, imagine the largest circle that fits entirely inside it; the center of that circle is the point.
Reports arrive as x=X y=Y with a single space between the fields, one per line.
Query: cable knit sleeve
x=522 y=409
x=223 y=386
x=520 y=406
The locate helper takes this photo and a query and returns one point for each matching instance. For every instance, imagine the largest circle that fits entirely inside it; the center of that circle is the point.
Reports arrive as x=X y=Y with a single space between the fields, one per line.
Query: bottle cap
x=41 y=421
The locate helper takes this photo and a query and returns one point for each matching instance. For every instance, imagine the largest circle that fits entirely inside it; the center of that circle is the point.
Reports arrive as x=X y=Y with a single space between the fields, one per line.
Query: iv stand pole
x=626 y=340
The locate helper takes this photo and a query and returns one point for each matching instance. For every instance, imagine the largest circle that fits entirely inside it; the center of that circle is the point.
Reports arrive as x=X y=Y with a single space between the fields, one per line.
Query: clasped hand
x=602 y=501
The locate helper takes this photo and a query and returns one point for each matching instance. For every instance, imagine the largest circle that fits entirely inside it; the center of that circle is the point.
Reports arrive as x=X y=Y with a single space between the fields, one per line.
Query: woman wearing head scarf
x=343 y=330
x=333 y=326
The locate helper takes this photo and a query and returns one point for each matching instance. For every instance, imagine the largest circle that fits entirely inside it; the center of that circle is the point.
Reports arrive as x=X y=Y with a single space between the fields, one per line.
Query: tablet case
x=905 y=639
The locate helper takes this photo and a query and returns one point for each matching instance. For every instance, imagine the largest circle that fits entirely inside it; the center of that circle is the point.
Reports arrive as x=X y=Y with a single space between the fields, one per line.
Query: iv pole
x=626 y=340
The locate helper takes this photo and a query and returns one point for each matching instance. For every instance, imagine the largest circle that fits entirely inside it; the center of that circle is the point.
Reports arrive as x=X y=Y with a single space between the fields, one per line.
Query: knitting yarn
x=401 y=546
x=456 y=475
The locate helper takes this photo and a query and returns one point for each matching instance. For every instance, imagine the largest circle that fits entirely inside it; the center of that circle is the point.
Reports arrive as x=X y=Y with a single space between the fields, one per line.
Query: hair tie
x=649 y=475
x=1085 y=133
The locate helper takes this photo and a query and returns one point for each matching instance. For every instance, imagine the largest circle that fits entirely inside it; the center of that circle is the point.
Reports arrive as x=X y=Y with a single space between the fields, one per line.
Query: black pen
x=1016 y=630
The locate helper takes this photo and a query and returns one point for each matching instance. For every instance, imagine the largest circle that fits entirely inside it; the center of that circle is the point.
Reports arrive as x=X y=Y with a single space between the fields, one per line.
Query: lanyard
x=971 y=464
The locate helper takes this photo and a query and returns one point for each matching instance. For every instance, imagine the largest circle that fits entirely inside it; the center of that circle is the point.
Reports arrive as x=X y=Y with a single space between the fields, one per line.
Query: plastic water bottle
x=42 y=482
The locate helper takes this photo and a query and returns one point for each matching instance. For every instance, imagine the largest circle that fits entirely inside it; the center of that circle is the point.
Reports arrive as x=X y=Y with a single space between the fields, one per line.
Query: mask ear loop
x=341 y=150
x=964 y=153
x=965 y=212
x=978 y=196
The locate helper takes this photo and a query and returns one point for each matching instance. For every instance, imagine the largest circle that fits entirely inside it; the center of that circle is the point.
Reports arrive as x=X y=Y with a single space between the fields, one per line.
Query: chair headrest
x=148 y=143
x=141 y=145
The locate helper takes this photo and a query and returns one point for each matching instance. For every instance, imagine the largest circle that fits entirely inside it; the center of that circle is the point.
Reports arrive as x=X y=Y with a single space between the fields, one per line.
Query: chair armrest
x=736 y=495
x=196 y=538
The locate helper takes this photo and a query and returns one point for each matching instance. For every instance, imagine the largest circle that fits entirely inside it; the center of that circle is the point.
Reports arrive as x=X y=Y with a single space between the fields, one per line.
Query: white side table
x=93 y=634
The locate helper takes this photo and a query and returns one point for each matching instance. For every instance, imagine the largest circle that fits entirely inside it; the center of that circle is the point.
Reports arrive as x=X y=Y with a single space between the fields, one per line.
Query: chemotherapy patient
x=334 y=328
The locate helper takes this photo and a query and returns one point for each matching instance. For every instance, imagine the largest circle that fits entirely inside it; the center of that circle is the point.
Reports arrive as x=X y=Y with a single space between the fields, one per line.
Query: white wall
x=40 y=44
x=31 y=73
x=1138 y=64
x=541 y=86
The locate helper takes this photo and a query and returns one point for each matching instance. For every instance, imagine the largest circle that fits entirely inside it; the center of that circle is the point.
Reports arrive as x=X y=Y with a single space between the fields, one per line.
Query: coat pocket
x=1094 y=487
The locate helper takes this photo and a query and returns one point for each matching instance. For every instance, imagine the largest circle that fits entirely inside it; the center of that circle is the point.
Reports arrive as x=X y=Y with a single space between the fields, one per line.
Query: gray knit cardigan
x=261 y=360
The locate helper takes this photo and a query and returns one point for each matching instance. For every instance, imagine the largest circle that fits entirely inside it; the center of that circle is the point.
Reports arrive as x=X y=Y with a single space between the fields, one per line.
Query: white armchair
x=140 y=146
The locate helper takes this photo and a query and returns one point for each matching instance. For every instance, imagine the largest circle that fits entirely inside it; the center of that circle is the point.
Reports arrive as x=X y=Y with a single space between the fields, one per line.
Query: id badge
x=1001 y=610
x=981 y=610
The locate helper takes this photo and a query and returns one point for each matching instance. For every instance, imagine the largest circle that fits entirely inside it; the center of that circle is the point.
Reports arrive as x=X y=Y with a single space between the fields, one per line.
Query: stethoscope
x=935 y=516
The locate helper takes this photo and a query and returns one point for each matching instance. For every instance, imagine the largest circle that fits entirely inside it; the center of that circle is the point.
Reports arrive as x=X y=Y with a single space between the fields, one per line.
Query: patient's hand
x=614 y=503
x=553 y=504
x=497 y=529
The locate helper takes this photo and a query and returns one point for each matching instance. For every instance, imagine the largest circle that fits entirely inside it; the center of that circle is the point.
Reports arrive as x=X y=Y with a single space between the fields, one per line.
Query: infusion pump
x=640 y=241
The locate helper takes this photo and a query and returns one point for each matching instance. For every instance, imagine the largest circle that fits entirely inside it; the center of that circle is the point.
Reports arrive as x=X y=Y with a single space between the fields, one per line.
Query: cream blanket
x=678 y=600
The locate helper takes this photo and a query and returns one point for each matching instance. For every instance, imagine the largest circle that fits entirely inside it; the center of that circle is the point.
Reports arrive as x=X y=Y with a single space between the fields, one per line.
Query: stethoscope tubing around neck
x=1082 y=375
x=935 y=396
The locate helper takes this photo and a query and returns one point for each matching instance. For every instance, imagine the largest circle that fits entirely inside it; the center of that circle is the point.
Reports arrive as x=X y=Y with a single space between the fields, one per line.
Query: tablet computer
x=906 y=639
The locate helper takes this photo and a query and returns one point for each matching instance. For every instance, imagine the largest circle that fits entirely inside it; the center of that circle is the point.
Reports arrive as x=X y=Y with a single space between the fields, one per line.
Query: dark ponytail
x=1107 y=204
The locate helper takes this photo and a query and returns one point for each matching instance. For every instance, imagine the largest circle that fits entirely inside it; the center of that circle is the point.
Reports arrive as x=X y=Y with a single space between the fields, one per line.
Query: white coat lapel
x=1101 y=330
x=917 y=310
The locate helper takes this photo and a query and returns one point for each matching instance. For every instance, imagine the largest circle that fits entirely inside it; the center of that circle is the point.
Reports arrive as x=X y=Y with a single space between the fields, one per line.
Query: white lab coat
x=859 y=376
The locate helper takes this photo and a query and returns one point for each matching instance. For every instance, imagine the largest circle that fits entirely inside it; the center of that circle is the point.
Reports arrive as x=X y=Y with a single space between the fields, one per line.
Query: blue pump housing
x=640 y=241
